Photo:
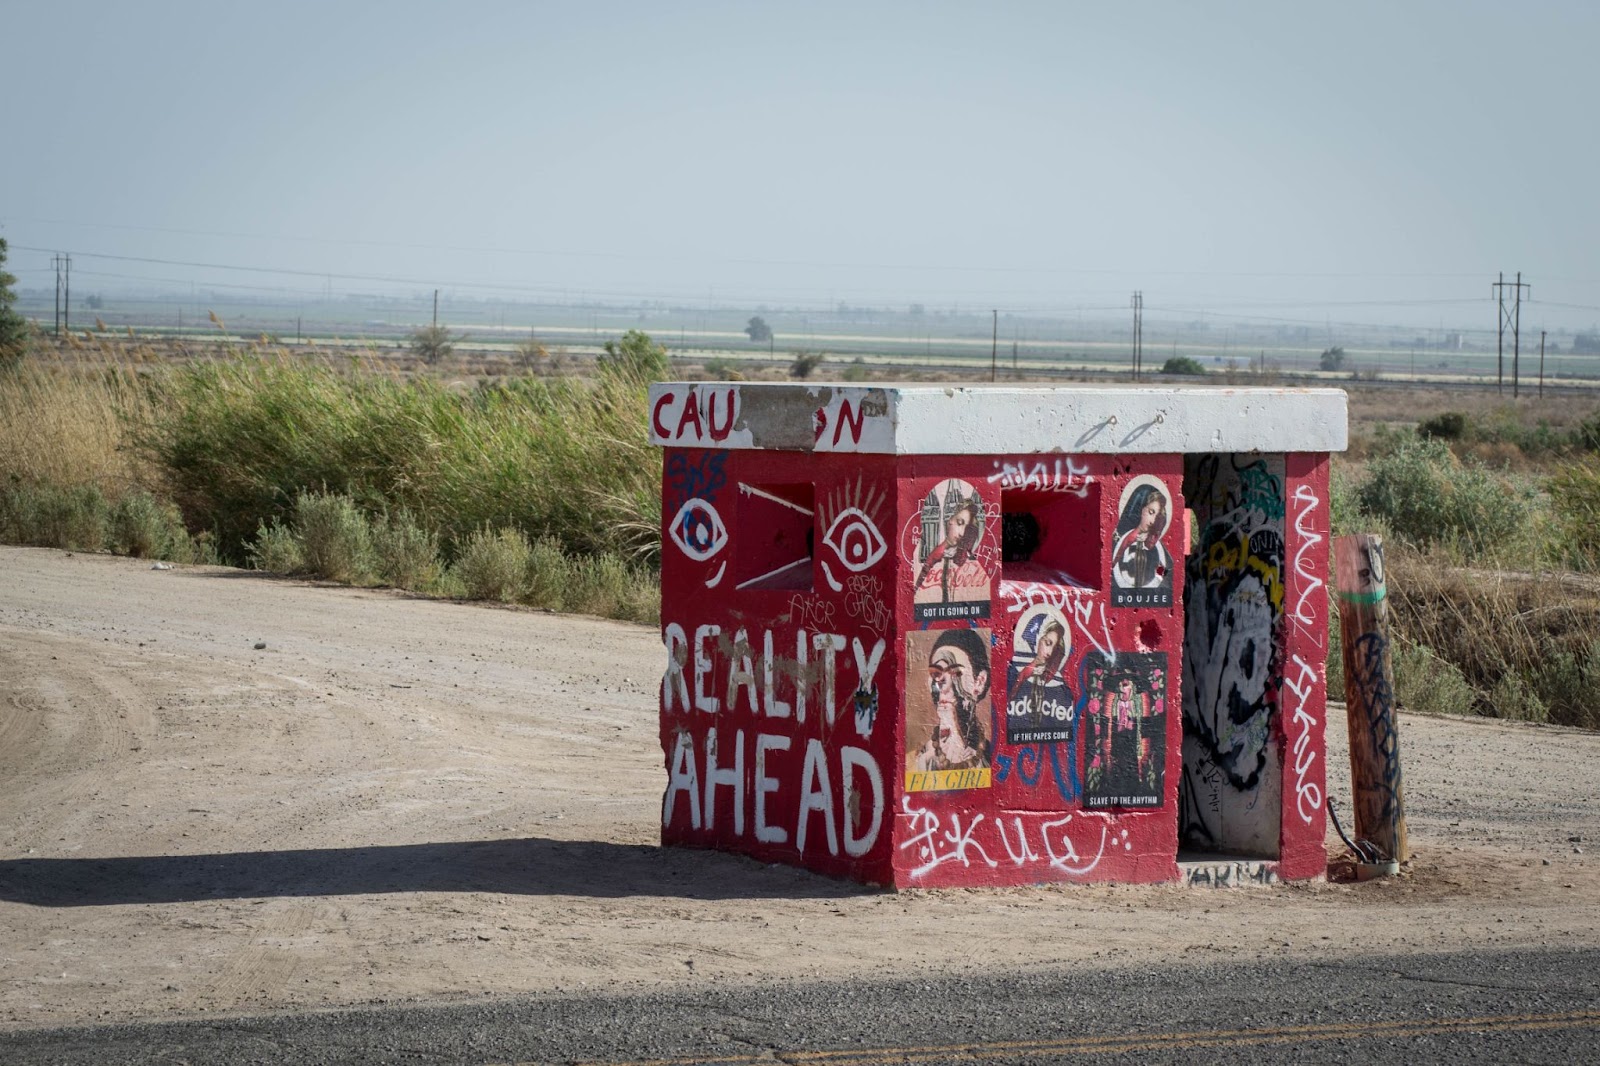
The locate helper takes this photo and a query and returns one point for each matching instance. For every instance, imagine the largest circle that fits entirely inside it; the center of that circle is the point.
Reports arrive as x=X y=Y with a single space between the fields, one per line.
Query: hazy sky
x=1360 y=161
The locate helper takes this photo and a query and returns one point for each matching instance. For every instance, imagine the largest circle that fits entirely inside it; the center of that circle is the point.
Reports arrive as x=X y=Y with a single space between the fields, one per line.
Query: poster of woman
x=951 y=578
x=948 y=740
x=1141 y=565
x=1125 y=745
x=1039 y=706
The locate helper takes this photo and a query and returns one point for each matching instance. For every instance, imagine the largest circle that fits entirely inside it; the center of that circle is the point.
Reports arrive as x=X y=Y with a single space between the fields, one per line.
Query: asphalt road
x=1518 y=1006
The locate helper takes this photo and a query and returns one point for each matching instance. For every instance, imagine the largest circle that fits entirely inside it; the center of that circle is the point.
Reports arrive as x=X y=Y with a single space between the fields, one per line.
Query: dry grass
x=63 y=424
x=1507 y=632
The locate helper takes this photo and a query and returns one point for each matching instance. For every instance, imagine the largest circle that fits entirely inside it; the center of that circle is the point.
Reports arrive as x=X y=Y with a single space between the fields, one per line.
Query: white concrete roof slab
x=996 y=419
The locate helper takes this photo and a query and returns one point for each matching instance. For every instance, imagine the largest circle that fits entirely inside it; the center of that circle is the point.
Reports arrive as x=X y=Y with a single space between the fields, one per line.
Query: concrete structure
x=936 y=636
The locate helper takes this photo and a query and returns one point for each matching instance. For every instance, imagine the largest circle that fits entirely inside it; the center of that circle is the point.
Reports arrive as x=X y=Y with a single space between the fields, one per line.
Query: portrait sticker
x=953 y=563
x=1125 y=729
x=1039 y=706
x=949 y=744
x=1141 y=564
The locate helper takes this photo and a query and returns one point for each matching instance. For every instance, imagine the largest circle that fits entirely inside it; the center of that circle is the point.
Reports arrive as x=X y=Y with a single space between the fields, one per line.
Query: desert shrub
x=74 y=517
x=805 y=363
x=1424 y=495
x=605 y=584
x=1182 y=364
x=721 y=368
x=406 y=555
x=276 y=549
x=1450 y=425
x=1568 y=684
x=1587 y=435
x=433 y=343
x=335 y=537
x=634 y=358
x=493 y=564
x=1344 y=506
x=549 y=575
x=1574 y=493
x=148 y=528
x=645 y=606
x=1429 y=684
x=1513 y=697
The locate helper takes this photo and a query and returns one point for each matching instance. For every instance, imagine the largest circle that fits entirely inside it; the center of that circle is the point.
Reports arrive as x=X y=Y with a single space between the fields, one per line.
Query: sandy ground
x=399 y=800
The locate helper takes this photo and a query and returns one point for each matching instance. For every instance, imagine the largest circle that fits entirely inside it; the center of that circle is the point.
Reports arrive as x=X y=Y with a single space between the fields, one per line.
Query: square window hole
x=1052 y=537
x=774 y=537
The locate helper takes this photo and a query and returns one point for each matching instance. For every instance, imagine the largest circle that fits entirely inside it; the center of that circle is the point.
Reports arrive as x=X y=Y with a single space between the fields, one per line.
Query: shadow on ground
x=529 y=866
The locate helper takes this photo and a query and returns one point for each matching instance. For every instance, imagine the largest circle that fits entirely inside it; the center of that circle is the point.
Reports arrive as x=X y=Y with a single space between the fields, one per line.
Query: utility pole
x=1516 y=337
x=1138 y=334
x=1541 y=364
x=435 y=308
x=63 y=265
x=1513 y=318
x=994 y=348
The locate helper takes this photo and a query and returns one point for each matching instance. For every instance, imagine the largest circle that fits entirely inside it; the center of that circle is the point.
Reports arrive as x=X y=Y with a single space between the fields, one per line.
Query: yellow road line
x=1132 y=1042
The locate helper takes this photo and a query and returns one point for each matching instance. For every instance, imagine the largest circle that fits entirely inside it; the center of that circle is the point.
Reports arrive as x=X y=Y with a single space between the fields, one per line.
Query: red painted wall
x=780 y=699
x=1302 y=717
x=1077 y=781
x=1032 y=820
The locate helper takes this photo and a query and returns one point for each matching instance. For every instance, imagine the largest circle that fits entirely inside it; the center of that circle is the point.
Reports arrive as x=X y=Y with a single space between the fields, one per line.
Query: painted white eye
x=855 y=540
x=697 y=528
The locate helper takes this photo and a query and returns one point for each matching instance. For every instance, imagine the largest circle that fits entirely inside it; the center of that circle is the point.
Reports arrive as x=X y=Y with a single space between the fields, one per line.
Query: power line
x=740 y=261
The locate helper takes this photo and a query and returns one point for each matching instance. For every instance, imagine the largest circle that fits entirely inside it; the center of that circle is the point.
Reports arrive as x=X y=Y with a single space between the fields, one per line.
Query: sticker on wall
x=951 y=578
x=1039 y=707
x=1141 y=565
x=948 y=739
x=1125 y=730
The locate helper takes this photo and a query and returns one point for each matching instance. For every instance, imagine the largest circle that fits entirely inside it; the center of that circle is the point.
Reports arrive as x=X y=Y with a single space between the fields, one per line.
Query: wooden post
x=1380 y=818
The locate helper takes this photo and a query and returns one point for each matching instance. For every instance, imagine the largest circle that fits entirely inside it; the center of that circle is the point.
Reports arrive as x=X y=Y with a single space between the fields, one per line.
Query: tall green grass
x=337 y=468
x=237 y=440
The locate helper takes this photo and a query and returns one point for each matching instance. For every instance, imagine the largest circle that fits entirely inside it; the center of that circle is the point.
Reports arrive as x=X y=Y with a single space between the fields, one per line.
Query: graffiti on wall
x=1141 y=565
x=1234 y=605
x=949 y=732
x=694 y=414
x=1069 y=845
x=1302 y=680
x=1062 y=474
x=954 y=554
x=1085 y=611
x=1125 y=730
x=717 y=414
x=1306 y=617
x=852 y=517
x=841 y=788
x=693 y=482
x=1229 y=874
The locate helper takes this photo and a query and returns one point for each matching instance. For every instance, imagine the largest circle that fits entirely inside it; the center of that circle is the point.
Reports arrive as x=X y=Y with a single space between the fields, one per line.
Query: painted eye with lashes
x=855 y=540
x=697 y=528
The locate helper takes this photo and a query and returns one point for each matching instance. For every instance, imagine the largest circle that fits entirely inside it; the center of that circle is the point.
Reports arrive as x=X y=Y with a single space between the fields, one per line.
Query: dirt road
x=397 y=800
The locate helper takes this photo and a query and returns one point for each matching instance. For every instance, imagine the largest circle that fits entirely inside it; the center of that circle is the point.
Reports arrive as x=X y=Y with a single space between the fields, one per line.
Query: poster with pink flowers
x=1125 y=729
